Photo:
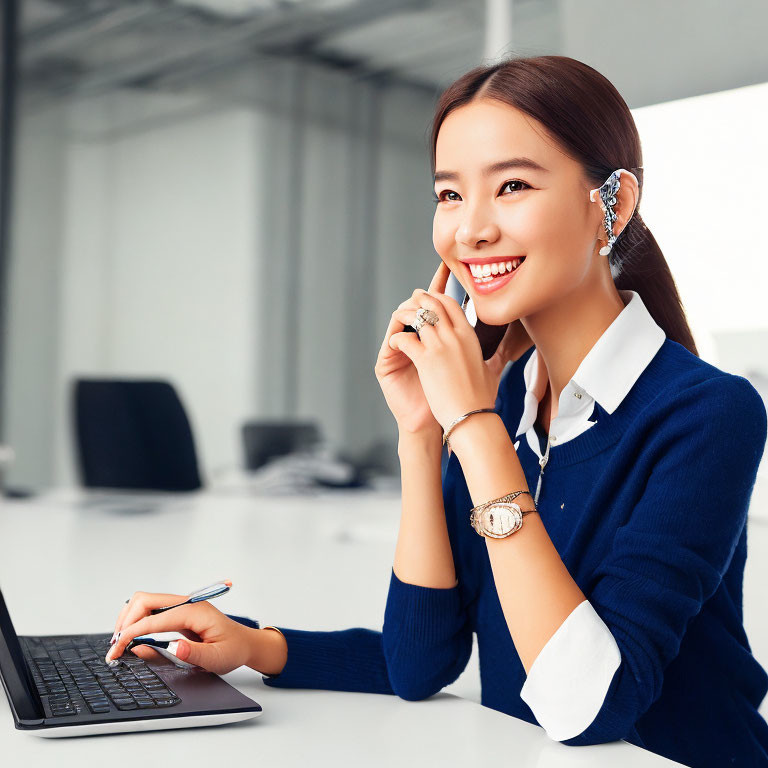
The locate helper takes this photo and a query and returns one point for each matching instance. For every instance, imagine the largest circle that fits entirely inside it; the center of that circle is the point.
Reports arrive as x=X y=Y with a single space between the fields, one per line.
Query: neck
x=565 y=332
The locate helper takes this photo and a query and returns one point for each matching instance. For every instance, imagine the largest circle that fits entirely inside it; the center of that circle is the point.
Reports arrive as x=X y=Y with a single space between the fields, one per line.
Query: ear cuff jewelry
x=607 y=199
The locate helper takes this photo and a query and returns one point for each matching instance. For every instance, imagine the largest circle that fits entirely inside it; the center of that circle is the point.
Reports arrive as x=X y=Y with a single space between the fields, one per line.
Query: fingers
x=421 y=298
x=427 y=335
x=440 y=278
x=399 y=320
x=206 y=655
x=449 y=311
x=146 y=652
x=446 y=307
x=140 y=605
x=453 y=311
x=394 y=326
x=409 y=344
x=119 y=622
x=168 y=621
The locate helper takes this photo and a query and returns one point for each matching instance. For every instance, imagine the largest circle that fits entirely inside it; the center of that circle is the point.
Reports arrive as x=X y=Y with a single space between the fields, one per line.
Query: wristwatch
x=499 y=518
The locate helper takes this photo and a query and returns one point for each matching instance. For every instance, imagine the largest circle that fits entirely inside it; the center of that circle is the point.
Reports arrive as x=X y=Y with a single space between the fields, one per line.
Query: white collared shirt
x=568 y=680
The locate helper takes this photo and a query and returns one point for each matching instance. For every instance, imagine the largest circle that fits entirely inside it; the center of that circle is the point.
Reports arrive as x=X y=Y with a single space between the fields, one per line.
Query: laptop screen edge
x=17 y=682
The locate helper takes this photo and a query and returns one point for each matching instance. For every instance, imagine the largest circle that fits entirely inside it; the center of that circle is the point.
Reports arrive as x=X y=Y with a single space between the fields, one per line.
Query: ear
x=626 y=202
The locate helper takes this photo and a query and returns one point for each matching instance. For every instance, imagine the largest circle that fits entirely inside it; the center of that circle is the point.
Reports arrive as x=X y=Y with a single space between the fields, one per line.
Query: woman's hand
x=447 y=358
x=397 y=375
x=215 y=642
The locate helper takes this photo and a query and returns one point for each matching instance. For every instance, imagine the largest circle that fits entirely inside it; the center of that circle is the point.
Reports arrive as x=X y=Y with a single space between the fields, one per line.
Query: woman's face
x=543 y=214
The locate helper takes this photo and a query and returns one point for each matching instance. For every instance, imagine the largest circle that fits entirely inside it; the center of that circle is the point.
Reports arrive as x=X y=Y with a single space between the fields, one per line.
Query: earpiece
x=607 y=199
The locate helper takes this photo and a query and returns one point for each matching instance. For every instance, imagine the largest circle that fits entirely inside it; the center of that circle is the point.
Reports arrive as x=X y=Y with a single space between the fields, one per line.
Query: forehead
x=486 y=131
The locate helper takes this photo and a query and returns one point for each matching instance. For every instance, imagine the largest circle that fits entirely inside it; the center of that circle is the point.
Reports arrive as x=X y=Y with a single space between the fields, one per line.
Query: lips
x=496 y=282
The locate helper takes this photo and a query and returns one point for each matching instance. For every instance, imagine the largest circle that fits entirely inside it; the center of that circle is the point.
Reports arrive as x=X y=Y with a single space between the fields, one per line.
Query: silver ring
x=424 y=316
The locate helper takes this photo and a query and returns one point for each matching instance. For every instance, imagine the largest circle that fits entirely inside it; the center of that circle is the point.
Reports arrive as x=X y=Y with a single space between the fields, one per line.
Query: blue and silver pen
x=206 y=593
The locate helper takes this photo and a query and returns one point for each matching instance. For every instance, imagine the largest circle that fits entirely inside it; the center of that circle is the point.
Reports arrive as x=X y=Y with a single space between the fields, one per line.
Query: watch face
x=501 y=519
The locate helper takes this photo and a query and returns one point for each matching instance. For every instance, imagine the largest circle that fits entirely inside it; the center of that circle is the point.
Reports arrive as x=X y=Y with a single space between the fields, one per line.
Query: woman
x=614 y=611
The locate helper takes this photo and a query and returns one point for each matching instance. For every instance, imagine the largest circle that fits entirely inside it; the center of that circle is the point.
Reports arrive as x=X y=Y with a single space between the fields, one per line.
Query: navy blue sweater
x=648 y=511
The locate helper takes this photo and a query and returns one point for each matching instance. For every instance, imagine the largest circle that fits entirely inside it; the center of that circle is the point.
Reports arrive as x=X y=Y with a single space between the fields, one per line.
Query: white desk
x=292 y=564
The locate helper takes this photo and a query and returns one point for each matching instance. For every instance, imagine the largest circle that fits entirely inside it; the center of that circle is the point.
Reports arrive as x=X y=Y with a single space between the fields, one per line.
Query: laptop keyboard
x=72 y=676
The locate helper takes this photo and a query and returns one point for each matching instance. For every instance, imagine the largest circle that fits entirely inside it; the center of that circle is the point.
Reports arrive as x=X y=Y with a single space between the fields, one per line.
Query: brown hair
x=592 y=122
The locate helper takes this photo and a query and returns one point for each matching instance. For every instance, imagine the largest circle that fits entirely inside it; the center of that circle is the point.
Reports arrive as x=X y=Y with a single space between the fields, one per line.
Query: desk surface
x=308 y=562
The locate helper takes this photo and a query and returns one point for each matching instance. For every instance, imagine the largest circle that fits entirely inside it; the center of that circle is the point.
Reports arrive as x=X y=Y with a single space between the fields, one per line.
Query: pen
x=206 y=593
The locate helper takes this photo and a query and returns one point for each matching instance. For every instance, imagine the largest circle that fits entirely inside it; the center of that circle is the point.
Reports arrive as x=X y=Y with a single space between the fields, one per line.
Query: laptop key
x=60 y=711
x=127 y=705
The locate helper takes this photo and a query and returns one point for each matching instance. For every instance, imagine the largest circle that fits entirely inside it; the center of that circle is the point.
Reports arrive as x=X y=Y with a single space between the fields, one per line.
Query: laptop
x=60 y=685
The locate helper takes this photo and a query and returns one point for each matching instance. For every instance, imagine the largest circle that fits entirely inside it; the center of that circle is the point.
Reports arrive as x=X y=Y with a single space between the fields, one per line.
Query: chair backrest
x=133 y=434
x=263 y=439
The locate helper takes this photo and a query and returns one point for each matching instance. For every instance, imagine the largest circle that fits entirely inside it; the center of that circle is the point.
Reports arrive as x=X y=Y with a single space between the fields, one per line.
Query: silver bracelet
x=460 y=419
x=508 y=497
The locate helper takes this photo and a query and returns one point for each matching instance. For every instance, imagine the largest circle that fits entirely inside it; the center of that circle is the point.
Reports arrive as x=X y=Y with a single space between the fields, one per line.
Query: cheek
x=547 y=229
x=527 y=226
x=443 y=235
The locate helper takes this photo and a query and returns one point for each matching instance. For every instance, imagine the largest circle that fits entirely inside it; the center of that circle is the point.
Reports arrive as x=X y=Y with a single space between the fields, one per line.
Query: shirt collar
x=610 y=368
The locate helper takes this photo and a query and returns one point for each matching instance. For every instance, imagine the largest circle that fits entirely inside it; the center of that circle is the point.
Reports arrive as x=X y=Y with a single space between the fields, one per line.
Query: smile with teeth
x=484 y=273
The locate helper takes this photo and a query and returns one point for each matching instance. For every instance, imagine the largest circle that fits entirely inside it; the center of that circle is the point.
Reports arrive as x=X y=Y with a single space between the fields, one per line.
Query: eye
x=440 y=198
x=517 y=181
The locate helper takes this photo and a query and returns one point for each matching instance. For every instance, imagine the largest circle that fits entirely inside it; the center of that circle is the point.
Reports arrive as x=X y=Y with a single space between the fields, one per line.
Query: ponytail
x=638 y=264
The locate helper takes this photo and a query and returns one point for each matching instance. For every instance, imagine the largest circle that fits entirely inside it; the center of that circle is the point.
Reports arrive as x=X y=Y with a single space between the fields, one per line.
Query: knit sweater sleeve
x=427 y=633
x=427 y=638
x=425 y=646
x=670 y=556
x=340 y=660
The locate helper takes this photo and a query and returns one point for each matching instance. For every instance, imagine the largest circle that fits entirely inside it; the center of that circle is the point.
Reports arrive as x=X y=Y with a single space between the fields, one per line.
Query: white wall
x=158 y=269
x=32 y=342
x=705 y=199
x=234 y=250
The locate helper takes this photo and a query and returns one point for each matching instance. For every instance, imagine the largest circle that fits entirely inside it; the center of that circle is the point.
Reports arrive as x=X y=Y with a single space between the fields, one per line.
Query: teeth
x=485 y=272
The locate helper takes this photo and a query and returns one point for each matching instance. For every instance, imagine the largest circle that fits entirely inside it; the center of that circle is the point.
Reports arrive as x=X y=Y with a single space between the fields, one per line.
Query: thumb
x=189 y=651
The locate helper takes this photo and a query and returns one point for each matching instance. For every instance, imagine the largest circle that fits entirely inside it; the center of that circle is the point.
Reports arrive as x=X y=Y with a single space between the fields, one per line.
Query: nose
x=476 y=226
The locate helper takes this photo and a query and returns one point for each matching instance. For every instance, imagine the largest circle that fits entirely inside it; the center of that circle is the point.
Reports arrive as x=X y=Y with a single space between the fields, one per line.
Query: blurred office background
x=233 y=195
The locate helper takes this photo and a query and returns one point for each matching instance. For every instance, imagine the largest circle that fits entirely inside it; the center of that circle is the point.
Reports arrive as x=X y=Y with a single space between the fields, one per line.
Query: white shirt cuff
x=568 y=680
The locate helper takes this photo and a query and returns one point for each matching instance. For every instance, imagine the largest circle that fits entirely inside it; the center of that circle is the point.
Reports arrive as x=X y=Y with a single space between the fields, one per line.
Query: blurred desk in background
x=70 y=558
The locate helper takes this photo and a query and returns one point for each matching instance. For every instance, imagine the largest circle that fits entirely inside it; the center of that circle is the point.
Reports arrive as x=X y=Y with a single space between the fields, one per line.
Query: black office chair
x=263 y=439
x=133 y=434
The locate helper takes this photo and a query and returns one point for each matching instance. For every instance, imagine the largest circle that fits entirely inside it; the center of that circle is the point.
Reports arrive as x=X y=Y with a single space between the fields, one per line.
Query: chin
x=498 y=316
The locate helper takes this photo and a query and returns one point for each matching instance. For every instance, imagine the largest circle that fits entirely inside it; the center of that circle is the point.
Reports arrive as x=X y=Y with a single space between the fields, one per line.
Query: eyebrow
x=502 y=165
